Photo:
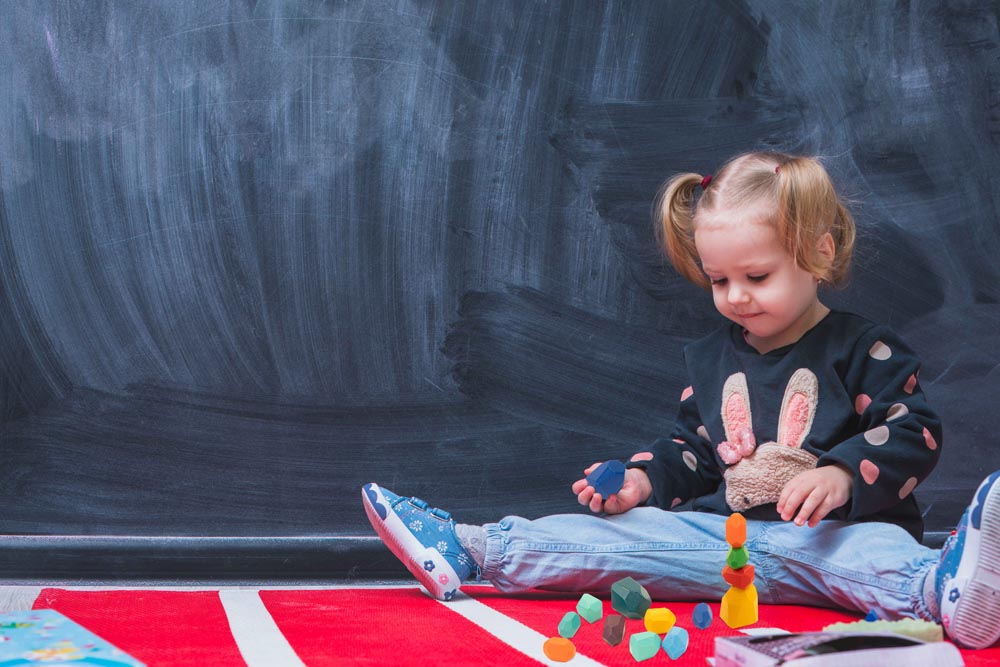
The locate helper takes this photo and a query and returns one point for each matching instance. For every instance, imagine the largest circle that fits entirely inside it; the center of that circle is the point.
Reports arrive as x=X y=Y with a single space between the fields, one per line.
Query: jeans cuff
x=918 y=598
x=496 y=548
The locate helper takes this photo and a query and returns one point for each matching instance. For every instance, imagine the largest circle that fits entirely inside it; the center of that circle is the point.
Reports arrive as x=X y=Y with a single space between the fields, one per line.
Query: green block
x=644 y=645
x=737 y=558
x=590 y=608
x=569 y=624
x=629 y=598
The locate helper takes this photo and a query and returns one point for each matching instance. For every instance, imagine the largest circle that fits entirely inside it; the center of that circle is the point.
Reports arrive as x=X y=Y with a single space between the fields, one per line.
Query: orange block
x=559 y=649
x=736 y=530
x=740 y=577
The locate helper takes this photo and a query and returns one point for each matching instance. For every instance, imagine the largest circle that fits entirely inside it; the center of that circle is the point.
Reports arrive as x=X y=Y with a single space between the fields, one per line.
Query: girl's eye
x=758 y=279
x=718 y=281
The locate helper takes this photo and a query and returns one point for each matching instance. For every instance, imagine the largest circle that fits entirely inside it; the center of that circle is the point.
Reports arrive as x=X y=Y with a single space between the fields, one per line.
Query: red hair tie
x=777 y=169
x=705 y=182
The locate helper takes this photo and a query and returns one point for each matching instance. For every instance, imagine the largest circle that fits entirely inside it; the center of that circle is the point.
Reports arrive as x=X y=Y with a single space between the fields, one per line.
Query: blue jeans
x=679 y=556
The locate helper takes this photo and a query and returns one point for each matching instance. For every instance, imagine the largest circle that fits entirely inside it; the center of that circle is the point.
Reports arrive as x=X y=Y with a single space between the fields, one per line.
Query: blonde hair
x=797 y=194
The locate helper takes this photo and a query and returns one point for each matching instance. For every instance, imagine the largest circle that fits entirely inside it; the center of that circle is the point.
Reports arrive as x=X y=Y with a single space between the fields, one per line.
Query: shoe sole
x=443 y=582
x=976 y=623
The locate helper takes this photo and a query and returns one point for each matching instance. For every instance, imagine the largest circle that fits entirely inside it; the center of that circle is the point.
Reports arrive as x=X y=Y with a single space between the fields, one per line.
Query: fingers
x=596 y=503
x=812 y=495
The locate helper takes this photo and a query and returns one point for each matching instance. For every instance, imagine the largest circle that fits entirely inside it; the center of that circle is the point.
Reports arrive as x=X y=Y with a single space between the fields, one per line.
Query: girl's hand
x=814 y=494
x=635 y=491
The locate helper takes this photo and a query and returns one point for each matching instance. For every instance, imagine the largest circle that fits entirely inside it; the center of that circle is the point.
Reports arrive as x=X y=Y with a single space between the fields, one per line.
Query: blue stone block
x=702 y=616
x=607 y=478
x=676 y=642
x=872 y=615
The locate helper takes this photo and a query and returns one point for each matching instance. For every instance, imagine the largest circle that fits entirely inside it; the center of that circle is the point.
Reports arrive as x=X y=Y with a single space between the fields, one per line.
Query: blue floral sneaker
x=968 y=576
x=422 y=537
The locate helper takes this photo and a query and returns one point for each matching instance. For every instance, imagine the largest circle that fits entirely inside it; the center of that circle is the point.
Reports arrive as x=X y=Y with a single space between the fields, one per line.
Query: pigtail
x=673 y=214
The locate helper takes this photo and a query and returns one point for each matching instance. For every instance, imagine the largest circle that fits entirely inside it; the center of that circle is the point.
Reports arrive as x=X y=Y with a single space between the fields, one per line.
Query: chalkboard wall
x=256 y=254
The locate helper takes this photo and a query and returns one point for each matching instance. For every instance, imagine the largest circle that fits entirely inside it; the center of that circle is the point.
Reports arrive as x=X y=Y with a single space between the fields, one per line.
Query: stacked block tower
x=739 y=604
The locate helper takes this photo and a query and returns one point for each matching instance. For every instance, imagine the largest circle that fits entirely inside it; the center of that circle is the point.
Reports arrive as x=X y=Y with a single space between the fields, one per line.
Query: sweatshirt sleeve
x=683 y=465
x=898 y=441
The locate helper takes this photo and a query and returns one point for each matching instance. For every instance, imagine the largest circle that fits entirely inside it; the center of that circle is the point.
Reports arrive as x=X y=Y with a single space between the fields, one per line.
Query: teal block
x=569 y=624
x=644 y=645
x=676 y=642
x=629 y=598
x=590 y=608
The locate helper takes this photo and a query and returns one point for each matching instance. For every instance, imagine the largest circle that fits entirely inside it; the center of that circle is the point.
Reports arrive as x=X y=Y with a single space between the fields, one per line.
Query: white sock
x=473 y=539
x=930 y=593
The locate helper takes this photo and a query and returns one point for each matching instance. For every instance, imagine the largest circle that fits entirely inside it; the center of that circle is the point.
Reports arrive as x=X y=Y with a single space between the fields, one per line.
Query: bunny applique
x=756 y=474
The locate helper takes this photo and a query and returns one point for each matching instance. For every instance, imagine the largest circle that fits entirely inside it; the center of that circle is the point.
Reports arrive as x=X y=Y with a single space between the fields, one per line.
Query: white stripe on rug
x=511 y=632
x=18 y=598
x=257 y=635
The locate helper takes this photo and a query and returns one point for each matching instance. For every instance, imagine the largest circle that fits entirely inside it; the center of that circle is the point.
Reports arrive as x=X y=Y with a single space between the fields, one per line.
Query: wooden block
x=736 y=530
x=629 y=598
x=737 y=557
x=644 y=645
x=659 y=620
x=740 y=578
x=614 y=629
x=569 y=624
x=739 y=607
x=607 y=478
x=559 y=649
x=676 y=642
x=701 y=616
x=590 y=608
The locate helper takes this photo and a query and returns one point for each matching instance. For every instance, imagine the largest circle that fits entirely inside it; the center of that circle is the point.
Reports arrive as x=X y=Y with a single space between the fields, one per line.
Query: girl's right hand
x=635 y=491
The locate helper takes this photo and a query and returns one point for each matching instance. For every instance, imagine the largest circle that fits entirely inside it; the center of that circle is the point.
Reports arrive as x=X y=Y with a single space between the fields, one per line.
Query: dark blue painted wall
x=253 y=255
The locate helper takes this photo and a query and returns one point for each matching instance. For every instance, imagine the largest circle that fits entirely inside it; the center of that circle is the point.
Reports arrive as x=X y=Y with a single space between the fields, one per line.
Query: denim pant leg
x=853 y=566
x=679 y=556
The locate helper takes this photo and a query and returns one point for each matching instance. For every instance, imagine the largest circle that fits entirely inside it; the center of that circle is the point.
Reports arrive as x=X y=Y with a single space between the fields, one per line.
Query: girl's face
x=755 y=282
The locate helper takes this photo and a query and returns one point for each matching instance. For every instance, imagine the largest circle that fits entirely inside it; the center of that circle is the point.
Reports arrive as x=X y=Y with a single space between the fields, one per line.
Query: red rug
x=376 y=626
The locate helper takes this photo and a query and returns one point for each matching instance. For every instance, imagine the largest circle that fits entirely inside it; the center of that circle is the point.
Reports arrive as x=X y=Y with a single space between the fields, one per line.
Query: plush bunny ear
x=736 y=408
x=798 y=408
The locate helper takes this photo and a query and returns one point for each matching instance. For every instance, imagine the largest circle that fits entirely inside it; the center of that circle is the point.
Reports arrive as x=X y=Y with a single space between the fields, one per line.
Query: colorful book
x=833 y=649
x=44 y=637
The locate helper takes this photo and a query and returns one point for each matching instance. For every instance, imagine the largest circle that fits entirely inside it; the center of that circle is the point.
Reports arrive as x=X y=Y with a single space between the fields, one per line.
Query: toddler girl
x=793 y=414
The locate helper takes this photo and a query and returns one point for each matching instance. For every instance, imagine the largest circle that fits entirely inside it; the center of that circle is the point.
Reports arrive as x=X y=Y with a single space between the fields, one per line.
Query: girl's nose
x=737 y=295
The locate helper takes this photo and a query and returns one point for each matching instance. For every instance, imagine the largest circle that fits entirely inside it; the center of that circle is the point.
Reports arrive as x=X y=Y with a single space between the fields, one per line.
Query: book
x=44 y=636
x=833 y=649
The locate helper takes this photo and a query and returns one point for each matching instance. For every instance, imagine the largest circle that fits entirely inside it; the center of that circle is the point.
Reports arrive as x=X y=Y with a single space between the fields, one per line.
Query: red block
x=740 y=578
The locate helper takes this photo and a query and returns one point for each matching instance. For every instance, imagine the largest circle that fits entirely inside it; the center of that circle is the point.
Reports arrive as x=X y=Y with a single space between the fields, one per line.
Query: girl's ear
x=736 y=415
x=798 y=408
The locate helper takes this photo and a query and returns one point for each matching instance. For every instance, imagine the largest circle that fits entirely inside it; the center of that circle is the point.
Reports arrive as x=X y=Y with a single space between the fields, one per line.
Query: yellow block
x=659 y=620
x=739 y=607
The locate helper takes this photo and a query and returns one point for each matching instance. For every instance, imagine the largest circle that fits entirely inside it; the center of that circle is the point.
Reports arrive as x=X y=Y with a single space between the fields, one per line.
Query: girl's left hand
x=814 y=494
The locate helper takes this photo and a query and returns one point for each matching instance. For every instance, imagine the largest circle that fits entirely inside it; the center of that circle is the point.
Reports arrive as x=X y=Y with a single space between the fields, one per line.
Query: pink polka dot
x=675 y=502
x=689 y=460
x=861 y=403
x=911 y=384
x=642 y=456
x=678 y=441
x=908 y=487
x=878 y=435
x=687 y=393
x=703 y=432
x=929 y=439
x=869 y=471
